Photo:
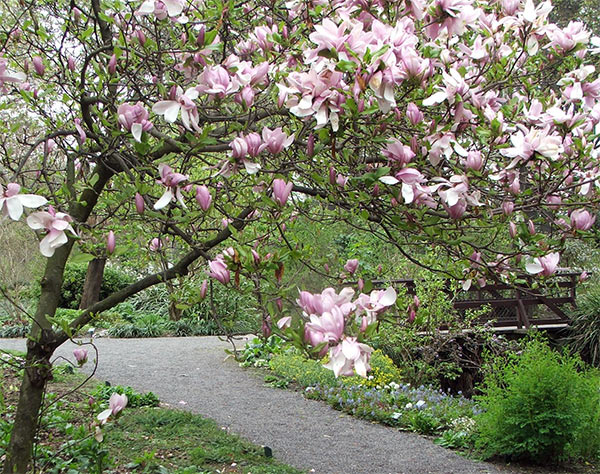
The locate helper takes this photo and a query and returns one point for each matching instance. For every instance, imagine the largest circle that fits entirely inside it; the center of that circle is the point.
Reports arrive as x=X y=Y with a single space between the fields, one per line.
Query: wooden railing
x=513 y=305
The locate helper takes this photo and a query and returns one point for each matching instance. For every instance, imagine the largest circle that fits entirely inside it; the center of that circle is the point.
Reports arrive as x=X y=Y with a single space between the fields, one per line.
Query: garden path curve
x=194 y=374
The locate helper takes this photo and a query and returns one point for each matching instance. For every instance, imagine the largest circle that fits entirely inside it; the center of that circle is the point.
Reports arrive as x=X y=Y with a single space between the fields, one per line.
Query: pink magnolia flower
x=512 y=229
x=183 y=102
x=245 y=145
x=203 y=289
x=55 y=223
x=203 y=197
x=116 y=404
x=81 y=355
x=276 y=140
x=12 y=203
x=171 y=181
x=7 y=76
x=415 y=116
x=398 y=152
x=545 y=266
x=330 y=324
x=112 y=64
x=375 y=303
x=474 y=160
x=216 y=81
x=351 y=266
x=219 y=271
x=281 y=191
x=135 y=119
x=508 y=207
x=155 y=244
x=284 y=322
x=80 y=130
x=582 y=219
x=110 y=242
x=349 y=356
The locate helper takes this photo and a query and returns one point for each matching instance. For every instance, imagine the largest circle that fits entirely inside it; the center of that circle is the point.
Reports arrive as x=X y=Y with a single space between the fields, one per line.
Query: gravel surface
x=194 y=374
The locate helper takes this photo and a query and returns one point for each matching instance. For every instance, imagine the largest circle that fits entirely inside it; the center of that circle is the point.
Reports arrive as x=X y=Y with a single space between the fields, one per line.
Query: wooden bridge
x=514 y=307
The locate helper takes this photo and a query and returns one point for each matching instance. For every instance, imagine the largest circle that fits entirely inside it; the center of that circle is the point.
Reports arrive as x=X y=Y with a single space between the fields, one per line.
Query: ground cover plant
x=381 y=397
x=146 y=438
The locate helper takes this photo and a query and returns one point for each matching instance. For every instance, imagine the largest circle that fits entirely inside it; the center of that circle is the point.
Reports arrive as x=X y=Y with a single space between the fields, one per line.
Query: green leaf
x=346 y=66
x=82 y=258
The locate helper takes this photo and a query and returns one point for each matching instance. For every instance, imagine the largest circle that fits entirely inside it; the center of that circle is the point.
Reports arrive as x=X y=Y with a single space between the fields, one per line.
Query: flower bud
x=110 y=242
x=38 y=65
x=139 y=203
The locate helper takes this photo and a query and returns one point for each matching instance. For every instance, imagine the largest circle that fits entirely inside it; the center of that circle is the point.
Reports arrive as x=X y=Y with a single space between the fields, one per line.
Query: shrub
x=74 y=278
x=539 y=406
x=258 y=353
x=584 y=334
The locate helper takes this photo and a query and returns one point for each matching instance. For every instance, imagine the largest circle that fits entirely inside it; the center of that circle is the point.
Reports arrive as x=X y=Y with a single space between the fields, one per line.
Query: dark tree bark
x=37 y=373
x=93 y=283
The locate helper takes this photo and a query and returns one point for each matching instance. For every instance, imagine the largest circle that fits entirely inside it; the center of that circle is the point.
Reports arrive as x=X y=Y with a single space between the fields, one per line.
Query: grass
x=142 y=440
x=183 y=442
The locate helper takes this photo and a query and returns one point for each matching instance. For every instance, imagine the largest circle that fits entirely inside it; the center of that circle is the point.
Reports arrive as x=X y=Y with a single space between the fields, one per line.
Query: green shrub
x=539 y=406
x=258 y=353
x=74 y=278
x=584 y=335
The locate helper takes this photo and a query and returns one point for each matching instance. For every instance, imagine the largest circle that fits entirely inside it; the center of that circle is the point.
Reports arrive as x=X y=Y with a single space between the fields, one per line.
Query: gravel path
x=194 y=374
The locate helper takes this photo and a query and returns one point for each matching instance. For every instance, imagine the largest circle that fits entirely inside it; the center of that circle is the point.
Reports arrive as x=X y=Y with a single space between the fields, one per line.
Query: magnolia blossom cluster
x=53 y=223
x=218 y=267
x=330 y=315
x=253 y=144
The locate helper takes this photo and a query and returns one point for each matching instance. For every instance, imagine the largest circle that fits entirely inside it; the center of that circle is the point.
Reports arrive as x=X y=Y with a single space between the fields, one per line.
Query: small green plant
x=305 y=372
x=135 y=399
x=539 y=406
x=258 y=353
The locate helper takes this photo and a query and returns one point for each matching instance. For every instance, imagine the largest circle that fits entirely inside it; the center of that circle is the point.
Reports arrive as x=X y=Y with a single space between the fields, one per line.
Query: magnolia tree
x=467 y=125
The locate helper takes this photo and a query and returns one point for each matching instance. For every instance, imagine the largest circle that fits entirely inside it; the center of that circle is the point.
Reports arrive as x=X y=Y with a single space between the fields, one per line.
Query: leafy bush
x=74 y=278
x=15 y=330
x=258 y=353
x=584 y=334
x=539 y=406
x=134 y=399
x=427 y=356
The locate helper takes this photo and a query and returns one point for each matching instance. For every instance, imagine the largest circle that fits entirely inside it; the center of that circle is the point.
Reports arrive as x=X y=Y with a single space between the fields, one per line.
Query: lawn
x=146 y=438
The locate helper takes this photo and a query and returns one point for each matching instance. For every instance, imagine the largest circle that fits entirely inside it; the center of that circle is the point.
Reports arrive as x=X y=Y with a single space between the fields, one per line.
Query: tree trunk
x=43 y=341
x=38 y=371
x=174 y=311
x=93 y=283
